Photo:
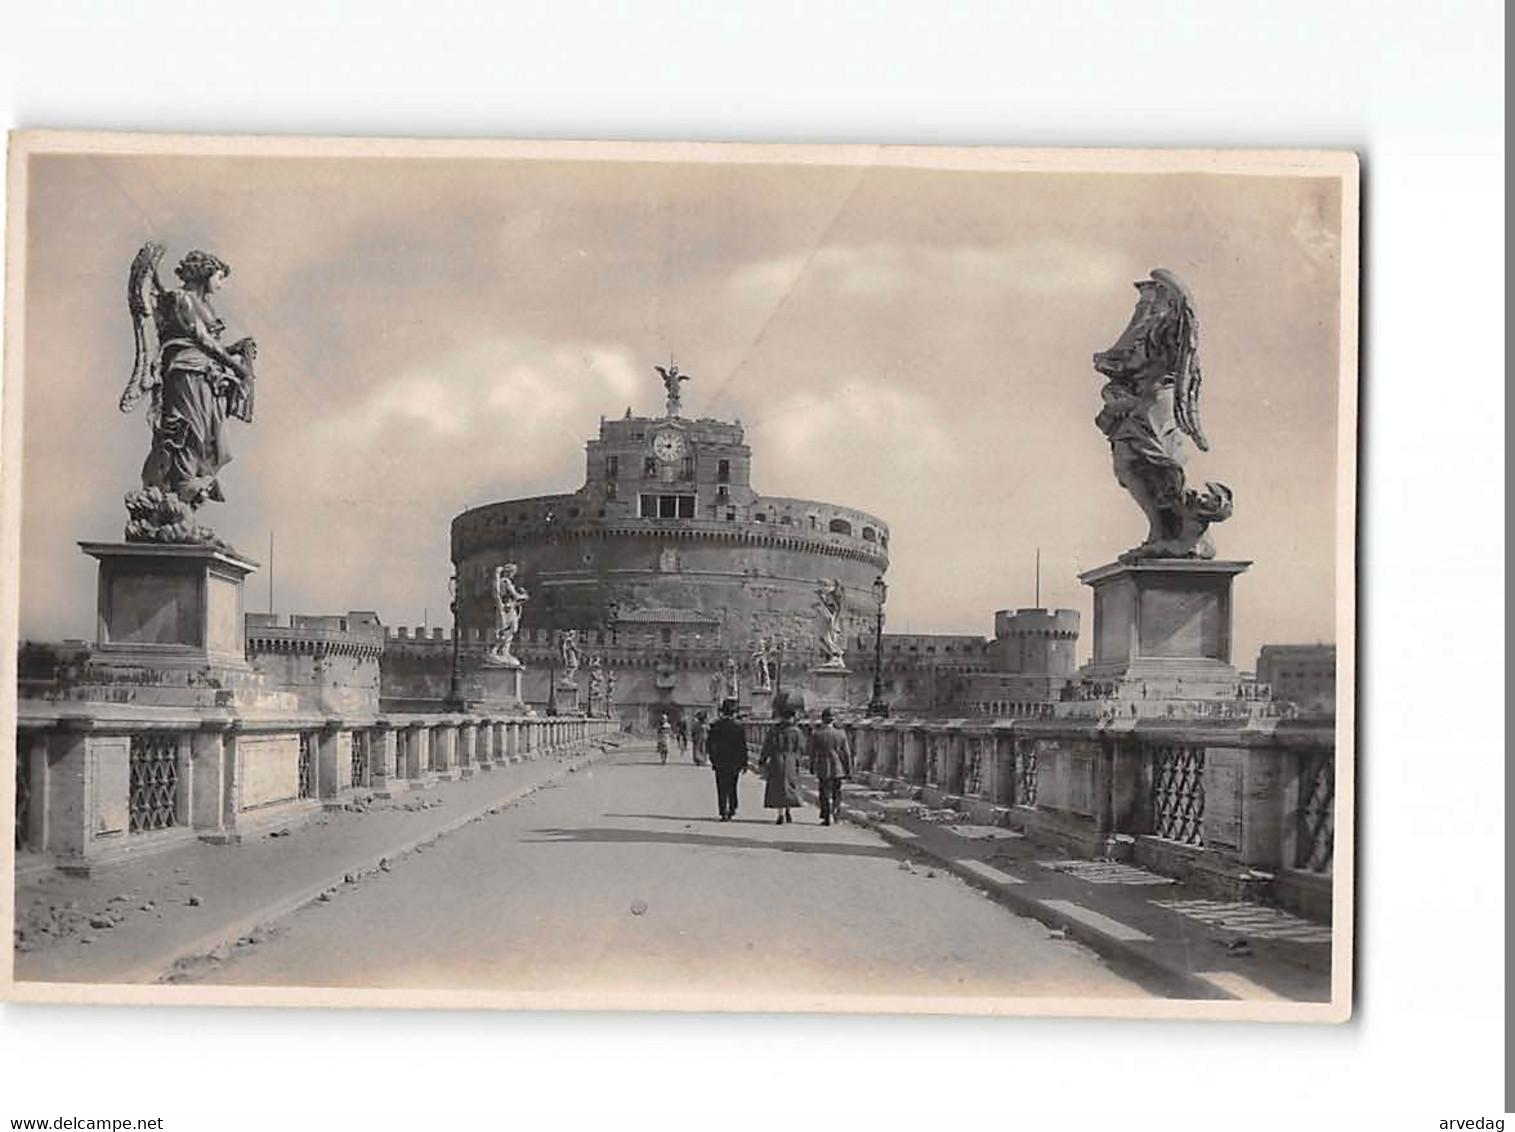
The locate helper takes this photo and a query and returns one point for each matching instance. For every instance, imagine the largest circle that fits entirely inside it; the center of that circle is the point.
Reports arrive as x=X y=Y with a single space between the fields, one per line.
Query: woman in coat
x=780 y=765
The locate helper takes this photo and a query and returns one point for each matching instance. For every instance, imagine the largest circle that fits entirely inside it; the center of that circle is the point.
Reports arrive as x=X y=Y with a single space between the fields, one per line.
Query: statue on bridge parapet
x=596 y=686
x=568 y=647
x=762 y=665
x=1151 y=402
x=833 y=598
x=508 y=599
x=192 y=384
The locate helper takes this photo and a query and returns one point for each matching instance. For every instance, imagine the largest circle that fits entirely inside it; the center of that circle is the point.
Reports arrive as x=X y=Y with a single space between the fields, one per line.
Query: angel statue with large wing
x=1151 y=402
x=833 y=597
x=672 y=379
x=192 y=384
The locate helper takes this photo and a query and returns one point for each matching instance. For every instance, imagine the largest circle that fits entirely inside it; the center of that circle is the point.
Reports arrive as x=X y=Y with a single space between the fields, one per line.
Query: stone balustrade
x=100 y=782
x=1244 y=809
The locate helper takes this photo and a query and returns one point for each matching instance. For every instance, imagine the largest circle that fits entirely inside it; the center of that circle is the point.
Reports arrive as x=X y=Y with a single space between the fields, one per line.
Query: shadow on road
x=649 y=836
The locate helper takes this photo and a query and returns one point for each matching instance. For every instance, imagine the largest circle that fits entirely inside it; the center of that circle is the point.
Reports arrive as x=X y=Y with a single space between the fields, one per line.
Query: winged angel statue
x=1151 y=402
x=672 y=379
x=192 y=385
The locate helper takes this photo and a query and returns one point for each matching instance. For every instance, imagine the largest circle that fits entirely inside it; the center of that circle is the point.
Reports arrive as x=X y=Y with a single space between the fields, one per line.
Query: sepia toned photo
x=681 y=577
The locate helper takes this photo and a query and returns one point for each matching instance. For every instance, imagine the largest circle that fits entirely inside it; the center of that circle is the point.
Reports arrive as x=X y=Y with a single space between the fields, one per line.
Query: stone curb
x=1149 y=970
x=160 y=969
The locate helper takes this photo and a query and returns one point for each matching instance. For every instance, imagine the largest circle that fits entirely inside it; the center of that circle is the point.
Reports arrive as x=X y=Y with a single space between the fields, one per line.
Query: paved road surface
x=541 y=897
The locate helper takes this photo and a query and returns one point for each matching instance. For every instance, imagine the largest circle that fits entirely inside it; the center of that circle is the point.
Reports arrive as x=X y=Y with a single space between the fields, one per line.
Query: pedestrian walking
x=727 y=746
x=830 y=758
x=664 y=734
x=681 y=729
x=780 y=760
x=699 y=733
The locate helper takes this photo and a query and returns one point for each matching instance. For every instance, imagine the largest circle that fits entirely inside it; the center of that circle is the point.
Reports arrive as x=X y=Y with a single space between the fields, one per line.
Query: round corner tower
x=1039 y=642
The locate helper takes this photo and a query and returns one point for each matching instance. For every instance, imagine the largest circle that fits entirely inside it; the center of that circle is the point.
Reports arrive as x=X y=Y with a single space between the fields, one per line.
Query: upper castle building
x=670 y=563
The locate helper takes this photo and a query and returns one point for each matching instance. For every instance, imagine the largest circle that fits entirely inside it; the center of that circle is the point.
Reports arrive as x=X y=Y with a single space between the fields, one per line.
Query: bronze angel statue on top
x=1151 y=402
x=672 y=380
x=192 y=385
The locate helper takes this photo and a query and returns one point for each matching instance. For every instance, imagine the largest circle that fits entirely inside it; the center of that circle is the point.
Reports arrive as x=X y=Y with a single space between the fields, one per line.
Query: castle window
x=815 y=523
x=730 y=515
x=840 y=527
x=786 y=520
x=649 y=465
x=760 y=517
x=649 y=506
x=611 y=492
x=869 y=535
x=667 y=636
x=686 y=507
x=723 y=471
x=612 y=467
x=721 y=492
x=686 y=468
x=668 y=507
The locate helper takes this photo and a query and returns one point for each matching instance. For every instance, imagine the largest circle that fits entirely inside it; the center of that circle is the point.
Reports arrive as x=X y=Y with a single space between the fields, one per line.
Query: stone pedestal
x=826 y=687
x=566 y=697
x=1162 y=629
x=165 y=606
x=169 y=630
x=495 y=688
x=758 y=701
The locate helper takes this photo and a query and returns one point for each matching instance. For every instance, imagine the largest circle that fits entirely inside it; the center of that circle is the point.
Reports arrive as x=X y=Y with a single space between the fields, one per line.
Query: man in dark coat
x=830 y=759
x=727 y=746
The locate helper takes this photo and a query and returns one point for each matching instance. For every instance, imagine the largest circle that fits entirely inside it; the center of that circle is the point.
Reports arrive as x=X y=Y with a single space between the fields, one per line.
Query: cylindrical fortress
x=667 y=549
x=1036 y=641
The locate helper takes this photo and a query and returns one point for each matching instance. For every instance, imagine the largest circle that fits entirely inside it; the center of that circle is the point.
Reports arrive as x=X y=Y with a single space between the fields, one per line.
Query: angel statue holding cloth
x=192 y=384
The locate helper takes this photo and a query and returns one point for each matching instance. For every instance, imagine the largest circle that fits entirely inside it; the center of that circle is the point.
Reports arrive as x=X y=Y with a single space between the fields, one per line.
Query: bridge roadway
x=619 y=879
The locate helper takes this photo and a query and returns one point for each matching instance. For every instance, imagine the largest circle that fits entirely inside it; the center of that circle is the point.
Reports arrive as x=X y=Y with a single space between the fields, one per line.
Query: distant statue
x=610 y=692
x=192 y=384
x=1151 y=403
x=508 y=599
x=733 y=680
x=717 y=687
x=568 y=647
x=762 y=665
x=672 y=379
x=596 y=685
x=832 y=600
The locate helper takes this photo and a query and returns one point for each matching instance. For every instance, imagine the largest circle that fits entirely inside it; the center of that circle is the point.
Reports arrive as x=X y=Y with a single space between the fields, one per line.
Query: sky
x=439 y=333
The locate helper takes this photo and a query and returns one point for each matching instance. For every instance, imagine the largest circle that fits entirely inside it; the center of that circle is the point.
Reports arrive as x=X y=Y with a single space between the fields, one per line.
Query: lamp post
x=878 y=706
x=454 y=700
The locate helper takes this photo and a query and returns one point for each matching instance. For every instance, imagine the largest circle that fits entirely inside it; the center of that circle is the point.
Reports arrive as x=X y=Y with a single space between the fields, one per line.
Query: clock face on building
x=668 y=446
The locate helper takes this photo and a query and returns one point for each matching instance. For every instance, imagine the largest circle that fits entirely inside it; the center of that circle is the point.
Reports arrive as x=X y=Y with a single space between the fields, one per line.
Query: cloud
x=887 y=270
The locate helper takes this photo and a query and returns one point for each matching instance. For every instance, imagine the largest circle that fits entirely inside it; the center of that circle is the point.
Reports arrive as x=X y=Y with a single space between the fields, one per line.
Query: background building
x=1304 y=675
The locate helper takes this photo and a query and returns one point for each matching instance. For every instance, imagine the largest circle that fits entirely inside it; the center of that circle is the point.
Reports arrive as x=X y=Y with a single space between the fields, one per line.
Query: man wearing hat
x=830 y=760
x=727 y=746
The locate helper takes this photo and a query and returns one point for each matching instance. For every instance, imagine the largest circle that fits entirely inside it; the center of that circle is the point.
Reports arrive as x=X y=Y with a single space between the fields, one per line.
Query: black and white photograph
x=745 y=566
x=681 y=577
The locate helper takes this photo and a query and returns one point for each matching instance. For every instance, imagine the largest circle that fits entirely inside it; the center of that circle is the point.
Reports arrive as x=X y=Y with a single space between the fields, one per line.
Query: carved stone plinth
x=494 y=688
x=566 y=697
x=827 y=687
x=169 y=606
x=1162 y=628
x=169 y=630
